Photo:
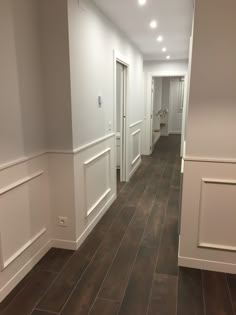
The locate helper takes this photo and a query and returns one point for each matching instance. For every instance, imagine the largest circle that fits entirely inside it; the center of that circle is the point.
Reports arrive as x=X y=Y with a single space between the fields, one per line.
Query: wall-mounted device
x=99 y=101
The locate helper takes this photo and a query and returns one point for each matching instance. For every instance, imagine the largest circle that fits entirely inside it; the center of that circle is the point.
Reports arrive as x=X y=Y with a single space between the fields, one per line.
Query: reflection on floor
x=128 y=265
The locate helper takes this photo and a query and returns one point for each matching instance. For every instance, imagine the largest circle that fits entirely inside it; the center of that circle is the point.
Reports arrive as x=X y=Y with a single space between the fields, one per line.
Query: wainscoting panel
x=95 y=184
x=217 y=208
x=97 y=180
x=208 y=216
x=135 y=137
x=24 y=219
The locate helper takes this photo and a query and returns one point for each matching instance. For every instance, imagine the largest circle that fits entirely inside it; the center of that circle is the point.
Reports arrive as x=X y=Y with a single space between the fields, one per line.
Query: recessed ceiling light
x=160 y=38
x=142 y=2
x=168 y=57
x=153 y=24
x=164 y=49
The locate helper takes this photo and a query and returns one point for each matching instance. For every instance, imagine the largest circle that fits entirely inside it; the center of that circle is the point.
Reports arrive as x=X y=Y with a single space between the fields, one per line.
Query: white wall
x=93 y=39
x=22 y=112
x=54 y=63
x=56 y=73
x=25 y=228
x=207 y=239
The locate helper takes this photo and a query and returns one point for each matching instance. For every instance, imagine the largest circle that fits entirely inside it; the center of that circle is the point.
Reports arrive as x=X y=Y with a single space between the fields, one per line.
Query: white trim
x=219 y=181
x=21 y=160
x=36 y=155
x=208 y=160
x=136 y=159
x=64 y=244
x=206 y=265
x=10 y=260
x=217 y=247
x=138 y=131
x=182 y=166
x=106 y=193
x=118 y=57
x=203 y=244
x=135 y=168
x=97 y=218
x=96 y=157
x=20 y=182
x=135 y=132
x=12 y=283
x=135 y=124
x=90 y=144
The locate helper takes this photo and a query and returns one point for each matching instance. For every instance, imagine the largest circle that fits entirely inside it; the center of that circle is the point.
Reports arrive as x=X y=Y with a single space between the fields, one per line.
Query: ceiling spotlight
x=142 y=2
x=153 y=24
x=168 y=57
x=164 y=49
x=160 y=38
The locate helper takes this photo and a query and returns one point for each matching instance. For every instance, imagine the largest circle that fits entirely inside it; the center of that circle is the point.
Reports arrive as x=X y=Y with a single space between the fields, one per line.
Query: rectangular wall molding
x=136 y=155
x=20 y=182
x=106 y=193
x=96 y=157
x=90 y=209
x=222 y=189
x=202 y=159
x=6 y=263
x=136 y=124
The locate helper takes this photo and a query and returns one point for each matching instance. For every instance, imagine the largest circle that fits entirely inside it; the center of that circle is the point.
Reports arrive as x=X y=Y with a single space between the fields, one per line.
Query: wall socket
x=63 y=221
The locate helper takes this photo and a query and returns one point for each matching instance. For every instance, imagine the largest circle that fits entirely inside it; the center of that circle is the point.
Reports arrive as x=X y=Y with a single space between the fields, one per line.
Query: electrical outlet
x=63 y=221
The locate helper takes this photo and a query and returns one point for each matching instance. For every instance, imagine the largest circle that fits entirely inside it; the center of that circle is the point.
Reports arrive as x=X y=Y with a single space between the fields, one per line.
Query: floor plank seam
x=68 y=299
x=230 y=295
x=118 y=248
x=203 y=294
x=158 y=252
x=139 y=246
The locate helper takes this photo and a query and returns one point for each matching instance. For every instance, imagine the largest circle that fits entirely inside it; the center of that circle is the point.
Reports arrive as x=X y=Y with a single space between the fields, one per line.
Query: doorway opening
x=121 y=116
x=168 y=108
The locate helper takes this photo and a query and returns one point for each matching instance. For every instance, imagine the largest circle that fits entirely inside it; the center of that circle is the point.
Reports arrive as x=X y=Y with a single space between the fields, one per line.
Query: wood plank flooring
x=128 y=264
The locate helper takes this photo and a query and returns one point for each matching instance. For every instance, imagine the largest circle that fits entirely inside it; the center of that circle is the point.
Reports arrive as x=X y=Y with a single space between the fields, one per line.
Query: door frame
x=124 y=157
x=150 y=77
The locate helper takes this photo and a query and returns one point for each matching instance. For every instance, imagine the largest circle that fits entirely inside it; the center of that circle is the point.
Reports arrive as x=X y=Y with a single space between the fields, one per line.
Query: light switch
x=99 y=101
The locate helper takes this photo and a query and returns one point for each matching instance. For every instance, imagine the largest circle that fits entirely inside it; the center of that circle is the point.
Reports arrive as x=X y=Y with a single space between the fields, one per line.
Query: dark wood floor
x=128 y=265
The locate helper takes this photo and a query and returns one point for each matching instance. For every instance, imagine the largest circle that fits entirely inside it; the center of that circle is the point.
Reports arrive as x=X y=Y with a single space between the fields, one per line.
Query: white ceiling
x=174 y=19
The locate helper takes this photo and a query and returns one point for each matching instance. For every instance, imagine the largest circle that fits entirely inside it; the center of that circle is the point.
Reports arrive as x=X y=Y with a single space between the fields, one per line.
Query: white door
x=121 y=91
x=176 y=105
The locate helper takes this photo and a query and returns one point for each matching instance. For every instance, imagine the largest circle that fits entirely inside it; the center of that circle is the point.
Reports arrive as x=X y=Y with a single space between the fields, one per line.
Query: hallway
x=128 y=264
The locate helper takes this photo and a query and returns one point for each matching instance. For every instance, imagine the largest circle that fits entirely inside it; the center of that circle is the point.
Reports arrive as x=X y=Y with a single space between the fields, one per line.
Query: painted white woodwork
x=217 y=208
x=95 y=185
x=207 y=236
x=135 y=136
x=24 y=219
x=208 y=216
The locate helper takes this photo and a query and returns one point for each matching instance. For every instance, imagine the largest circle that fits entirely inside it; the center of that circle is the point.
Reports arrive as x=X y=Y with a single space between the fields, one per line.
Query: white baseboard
x=135 y=168
x=206 y=265
x=12 y=283
x=63 y=244
x=98 y=217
